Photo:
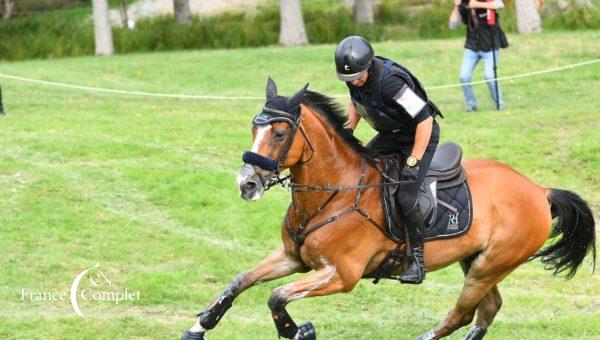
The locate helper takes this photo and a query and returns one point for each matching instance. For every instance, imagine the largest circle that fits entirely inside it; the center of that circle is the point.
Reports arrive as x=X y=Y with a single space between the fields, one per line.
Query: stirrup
x=414 y=274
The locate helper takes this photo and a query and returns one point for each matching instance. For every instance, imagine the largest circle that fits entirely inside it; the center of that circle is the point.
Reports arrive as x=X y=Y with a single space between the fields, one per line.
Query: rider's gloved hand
x=411 y=169
x=410 y=173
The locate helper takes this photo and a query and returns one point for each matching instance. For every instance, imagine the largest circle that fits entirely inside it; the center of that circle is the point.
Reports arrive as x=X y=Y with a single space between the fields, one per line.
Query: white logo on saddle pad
x=453 y=221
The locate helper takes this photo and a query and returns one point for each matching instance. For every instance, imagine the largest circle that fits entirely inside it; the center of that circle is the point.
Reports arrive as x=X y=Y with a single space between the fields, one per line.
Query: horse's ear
x=298 y=97
x=271 y=89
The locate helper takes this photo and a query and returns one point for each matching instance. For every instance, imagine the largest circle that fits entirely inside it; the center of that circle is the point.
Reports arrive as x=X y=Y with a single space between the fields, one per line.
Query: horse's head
x=274 y=147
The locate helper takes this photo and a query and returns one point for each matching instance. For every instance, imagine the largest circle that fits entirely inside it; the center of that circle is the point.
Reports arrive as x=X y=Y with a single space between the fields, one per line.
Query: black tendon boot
x=415 y=225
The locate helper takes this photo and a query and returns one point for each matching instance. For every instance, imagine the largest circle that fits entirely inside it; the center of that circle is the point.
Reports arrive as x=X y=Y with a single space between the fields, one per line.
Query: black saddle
x=445 y=166
x=445 y=171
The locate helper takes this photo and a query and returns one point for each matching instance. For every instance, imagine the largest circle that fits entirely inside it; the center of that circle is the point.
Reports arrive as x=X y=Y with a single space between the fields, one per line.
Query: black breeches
x=387 y=144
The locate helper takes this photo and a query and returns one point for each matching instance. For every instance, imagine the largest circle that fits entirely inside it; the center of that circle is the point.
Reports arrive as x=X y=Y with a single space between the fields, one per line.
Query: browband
x=268 y=115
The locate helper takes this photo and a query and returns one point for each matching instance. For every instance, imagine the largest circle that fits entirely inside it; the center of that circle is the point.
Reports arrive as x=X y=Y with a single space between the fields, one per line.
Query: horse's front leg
x=325 y=281
x=276 y=265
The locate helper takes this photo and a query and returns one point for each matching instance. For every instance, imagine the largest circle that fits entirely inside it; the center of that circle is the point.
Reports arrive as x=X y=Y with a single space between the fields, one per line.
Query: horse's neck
x=333 y=163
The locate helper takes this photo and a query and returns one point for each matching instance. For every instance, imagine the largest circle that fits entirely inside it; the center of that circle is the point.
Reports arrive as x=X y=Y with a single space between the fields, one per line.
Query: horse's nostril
x=249 y=186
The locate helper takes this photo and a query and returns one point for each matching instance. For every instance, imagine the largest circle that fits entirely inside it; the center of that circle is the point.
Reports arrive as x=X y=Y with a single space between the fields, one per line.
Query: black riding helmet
x=353 y=57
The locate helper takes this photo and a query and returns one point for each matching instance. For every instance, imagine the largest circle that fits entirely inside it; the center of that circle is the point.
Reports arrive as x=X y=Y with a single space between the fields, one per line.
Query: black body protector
x=386 y=118
x=396 y=123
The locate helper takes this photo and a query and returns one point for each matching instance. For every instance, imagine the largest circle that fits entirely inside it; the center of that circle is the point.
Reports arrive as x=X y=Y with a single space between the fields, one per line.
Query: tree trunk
x=9 y=9
x=363 y=12
x=102 y=30
x=292 y=30
x=123 y=11
x=528 y=18
x=181 y=11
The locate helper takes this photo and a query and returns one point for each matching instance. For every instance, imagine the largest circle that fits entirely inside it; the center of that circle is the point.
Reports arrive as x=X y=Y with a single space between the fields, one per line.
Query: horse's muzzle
x=250 y=184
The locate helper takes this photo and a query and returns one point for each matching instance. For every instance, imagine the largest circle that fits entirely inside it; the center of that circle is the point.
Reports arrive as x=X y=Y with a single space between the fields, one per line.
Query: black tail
x=576 y=224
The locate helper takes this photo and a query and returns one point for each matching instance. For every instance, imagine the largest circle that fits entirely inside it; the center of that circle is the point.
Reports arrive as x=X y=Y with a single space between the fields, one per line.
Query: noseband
x=268 y=116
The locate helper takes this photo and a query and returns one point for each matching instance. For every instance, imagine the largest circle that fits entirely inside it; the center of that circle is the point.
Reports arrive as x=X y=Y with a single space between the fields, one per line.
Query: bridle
x=268 y=116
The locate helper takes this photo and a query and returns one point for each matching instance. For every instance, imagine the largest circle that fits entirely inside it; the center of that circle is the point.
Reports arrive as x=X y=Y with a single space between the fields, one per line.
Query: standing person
x=484 y=39
x=394 y=103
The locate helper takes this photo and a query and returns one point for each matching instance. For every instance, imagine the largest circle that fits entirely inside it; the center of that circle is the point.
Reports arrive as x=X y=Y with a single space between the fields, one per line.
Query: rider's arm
x=497 y=4
x=353 y=116
x=422 y=135
x=397 y=92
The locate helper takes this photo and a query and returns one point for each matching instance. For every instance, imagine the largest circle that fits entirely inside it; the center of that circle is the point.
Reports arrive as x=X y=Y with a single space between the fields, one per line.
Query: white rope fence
x=185 y=96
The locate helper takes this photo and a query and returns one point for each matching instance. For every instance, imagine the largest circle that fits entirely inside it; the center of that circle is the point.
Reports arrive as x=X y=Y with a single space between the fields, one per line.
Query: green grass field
x=146 y=188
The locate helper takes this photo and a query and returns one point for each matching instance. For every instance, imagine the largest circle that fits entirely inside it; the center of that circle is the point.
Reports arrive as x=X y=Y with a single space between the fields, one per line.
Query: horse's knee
x=277 y=300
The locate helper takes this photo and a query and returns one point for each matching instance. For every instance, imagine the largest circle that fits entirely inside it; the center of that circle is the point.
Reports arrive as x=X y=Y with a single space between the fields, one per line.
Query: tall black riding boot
x=415 y=225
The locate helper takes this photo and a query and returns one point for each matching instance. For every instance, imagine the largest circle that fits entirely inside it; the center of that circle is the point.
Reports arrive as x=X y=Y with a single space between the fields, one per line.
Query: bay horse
x=343 y=238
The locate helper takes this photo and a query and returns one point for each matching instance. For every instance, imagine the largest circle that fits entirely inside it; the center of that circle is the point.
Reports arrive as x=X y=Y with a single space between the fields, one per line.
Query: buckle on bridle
x=277 y=180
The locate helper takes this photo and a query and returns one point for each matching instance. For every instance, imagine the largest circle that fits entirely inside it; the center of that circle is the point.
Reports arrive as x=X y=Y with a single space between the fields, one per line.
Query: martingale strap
x=302 y=230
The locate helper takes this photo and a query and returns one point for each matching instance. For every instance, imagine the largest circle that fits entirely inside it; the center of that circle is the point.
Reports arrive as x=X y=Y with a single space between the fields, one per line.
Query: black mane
x=336 y=117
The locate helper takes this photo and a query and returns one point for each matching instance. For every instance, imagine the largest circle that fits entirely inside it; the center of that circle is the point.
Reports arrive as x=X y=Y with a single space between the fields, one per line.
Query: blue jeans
x=470 y=60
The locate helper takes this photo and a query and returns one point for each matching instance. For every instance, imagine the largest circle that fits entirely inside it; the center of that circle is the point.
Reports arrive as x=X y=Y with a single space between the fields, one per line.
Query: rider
x=395 y=104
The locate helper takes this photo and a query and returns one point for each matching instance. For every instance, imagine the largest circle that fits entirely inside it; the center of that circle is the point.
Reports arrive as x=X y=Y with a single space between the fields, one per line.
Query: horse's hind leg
x=486 y=311
x=276 y=265
x=481 y=278
x=487 y=308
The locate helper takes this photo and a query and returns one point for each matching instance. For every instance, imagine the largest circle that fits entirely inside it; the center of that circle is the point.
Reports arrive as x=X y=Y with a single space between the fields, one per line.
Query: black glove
x=349 y=130
x=410 y=173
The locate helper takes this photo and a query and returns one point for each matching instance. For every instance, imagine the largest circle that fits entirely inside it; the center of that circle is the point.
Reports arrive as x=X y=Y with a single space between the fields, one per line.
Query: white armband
x=410 y=101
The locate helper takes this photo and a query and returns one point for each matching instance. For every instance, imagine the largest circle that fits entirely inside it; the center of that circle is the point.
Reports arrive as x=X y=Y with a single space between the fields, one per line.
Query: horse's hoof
x=475 y=333
x=306 y=331
x=192 y=335
x=427 y=336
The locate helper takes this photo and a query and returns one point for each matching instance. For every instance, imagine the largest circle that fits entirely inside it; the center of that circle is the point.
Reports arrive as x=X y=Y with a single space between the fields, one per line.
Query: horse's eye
x=279 y=135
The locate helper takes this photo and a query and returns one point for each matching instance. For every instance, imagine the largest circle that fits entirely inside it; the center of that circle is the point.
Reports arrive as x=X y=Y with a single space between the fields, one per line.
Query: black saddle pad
x=454 y=213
